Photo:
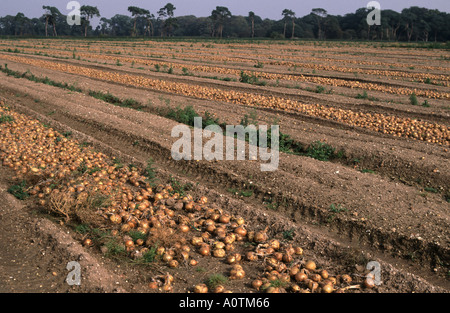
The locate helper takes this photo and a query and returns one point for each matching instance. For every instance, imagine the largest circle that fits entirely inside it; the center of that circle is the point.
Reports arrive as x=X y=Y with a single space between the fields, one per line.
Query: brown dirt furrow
x=375 y=207
x=411 y=162
x=334 y=101
x=396 y=276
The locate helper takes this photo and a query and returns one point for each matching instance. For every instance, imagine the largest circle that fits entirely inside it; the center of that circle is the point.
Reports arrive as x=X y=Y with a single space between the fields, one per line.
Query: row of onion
x=180 y=230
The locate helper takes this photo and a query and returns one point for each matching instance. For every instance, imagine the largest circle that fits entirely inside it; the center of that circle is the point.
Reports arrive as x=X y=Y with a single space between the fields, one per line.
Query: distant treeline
x=411 y=24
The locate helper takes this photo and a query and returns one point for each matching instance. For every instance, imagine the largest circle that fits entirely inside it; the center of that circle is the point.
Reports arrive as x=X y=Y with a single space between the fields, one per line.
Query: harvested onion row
x=297 y=78
x=392 y=125
x=291 y=52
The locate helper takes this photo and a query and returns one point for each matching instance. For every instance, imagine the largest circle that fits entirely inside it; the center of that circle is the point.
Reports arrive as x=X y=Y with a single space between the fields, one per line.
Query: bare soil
x=389 y=217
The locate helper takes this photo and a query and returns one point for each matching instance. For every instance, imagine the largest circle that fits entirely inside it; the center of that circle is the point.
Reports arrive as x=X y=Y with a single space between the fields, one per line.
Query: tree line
x=411 y=24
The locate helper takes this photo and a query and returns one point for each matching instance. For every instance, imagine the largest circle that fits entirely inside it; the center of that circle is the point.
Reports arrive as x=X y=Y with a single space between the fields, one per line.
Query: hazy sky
x=264 y=8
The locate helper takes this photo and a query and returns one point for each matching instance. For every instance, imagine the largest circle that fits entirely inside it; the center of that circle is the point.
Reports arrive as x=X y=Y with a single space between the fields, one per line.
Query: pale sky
x=264 y=8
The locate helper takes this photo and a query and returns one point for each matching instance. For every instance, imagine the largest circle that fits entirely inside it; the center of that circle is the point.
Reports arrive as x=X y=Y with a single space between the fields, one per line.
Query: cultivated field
x=364 y=172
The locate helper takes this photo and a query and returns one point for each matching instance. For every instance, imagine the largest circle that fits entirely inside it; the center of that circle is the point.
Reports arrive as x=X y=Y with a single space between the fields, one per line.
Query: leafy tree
x=409 y=19
x=332 y=29
x=20 y=21
x=391 y=23
x=355 y=24
x=251 y=16
x=51 y=14
x=288 y=15
x=414 y=23
x=166 y=16
x=237 y=26
x=105 y=26
x=87 y=13
x=121 y=25
x=320 y=15
x=220 y=15
x=137 y=13
x=149 y=17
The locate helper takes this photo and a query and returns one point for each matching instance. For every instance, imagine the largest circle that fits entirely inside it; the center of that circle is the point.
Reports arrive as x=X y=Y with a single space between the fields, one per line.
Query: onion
x=219 y=289
x=281 y=267
x=173 y=263
x=295 y=288
x=346 y=278
x=287 y=258
x=203 y=200
x=210 y=228
x=177 y=245
x=186 y=248
x=260 y=236
x=239 y=237
x=193 y=262
x=257 y=283
x=230 y=247
x=215 y=216
x=115 y=219
x=315 y=277
x=369 y=283
x=219 y=253
x=224 y=218
x=184 y=255
x=274 y=243
x=332 y=280
x=158 y=197
x=241 y=231
x=160 y=250
x=301 y=277
x=328 y=288
x=324 y=274
x=169 y=213
x=272 y=261
x=204 y=250
x=310 y=265
x=189 y=206
x=167 y=257
x=219 y=245
x=278 y=256
x=312 y=285
x=170 y=252
x=220 y=232
x=240 y=221
x=231 y=259
x=167 y=288
x=196 y=241
x=184 y=228
x=238 y=257
x=87 y=242
x=294 y=270
x=201 y=288
x=272 y=289
x=144 y=224
x=229 y=239
x=289 y=249
x=251 y=256
x=153 y=285
x=237 y=272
